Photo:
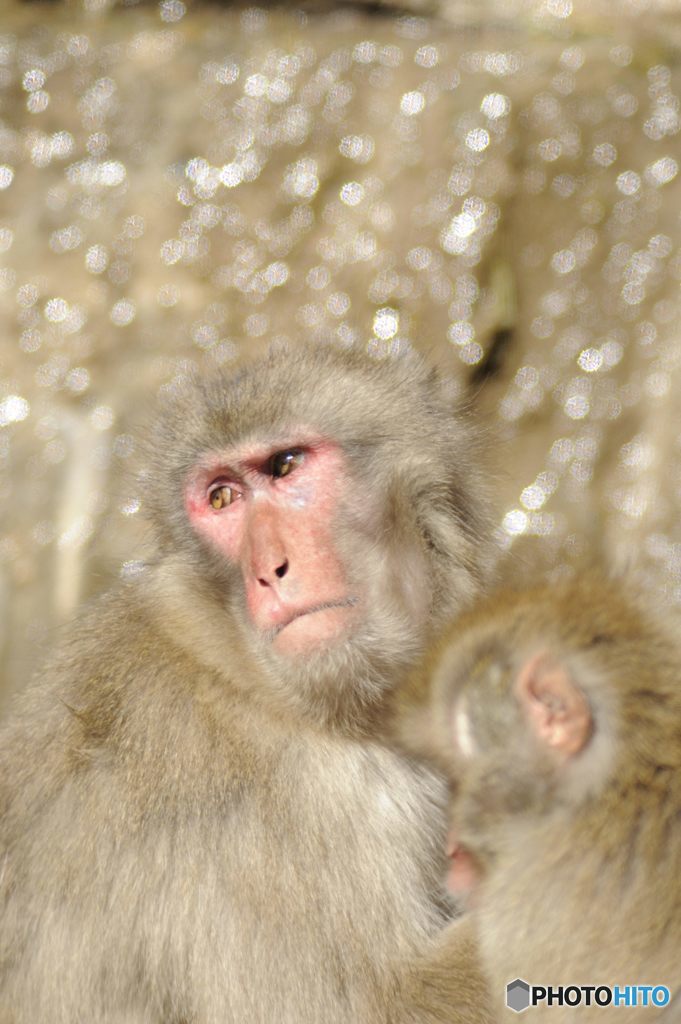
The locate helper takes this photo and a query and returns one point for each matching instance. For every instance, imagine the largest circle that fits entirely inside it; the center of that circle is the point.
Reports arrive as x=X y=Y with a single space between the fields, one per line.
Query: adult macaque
x=198 y=822
x=556 y=714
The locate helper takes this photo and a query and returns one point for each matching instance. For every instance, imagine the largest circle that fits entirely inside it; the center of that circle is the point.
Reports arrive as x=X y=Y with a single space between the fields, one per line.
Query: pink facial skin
x=463 y=874
x=280 y=531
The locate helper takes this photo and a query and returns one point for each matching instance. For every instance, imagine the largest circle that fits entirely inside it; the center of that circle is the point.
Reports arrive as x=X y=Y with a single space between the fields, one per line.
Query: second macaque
x=556 y=715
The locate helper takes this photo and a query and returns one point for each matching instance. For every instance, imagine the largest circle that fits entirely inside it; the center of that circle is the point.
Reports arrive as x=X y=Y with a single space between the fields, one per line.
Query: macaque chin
x=555 y=714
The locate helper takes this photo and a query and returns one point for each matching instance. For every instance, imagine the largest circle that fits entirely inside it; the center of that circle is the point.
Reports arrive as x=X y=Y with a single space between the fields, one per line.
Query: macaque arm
x=447 y=985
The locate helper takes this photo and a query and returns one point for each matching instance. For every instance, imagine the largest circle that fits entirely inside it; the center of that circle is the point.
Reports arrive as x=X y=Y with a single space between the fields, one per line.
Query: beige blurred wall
x=494 y=184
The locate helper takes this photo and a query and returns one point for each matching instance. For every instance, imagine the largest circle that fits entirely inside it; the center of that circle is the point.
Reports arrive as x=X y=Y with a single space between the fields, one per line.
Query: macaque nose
x=280 y=572
x=268 y=559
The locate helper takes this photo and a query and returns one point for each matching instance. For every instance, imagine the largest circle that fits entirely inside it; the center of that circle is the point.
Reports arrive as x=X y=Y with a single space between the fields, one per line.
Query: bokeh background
x=496 y=184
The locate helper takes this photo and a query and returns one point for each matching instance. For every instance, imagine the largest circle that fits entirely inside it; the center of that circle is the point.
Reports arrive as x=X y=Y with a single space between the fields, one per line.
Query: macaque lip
x=323 y=606
x=308 y=628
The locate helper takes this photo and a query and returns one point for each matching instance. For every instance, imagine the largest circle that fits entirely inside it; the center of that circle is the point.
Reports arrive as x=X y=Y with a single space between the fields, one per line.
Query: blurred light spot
x=124 y=446
x=96 y=259
x=495 y=105
x=621 y=55
x=471 y=354
x=204 y=335
x=97 y=173
x=301 y=179
x=172 y=10
x=102 y=417
x=30 y=340
x=657 y=385
x=663 y=170
x=6 y=176
x=56 y=310
x=131 y=569
x=590 y=359
x=412 y=103
x=37 y=102
x=549 y=149
x=527 y=378
x=562 y=450
x=338 y=304
x=231 y=175
x=386 y=323
x=43 y=533
x=256 y=85
x=625 y=104
x=352 y=193
x=122 y=312
x=364 y=52
x=419 y=258
x=33 y=80
x=131 y=507
x=27 y=295
x=77 y=379
x=559 y=8
x=563 y=261
x=463 y=225
x=533 y=497
x=633 y=293
x=171 y=251
x=573 y=57
x=460 y=332
x=256 y=324
x=628 y=182
x=276 y=274
x=279 y=90
x=364 y=246
x=357 y=147
x=66 y=239
x=576 y=407
x=168 y=295
x=426 y=56
x=604 y=154
x=13 y=409
x=318 y=277
x=515 y=522
x=477 y=139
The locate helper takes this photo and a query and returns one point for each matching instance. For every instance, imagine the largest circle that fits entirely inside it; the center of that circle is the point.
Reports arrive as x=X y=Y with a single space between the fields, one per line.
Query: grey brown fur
x=580 y=859
x=194 y=833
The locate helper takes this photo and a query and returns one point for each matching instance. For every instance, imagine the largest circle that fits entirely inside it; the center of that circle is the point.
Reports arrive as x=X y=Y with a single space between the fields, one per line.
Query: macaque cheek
x=223 y=531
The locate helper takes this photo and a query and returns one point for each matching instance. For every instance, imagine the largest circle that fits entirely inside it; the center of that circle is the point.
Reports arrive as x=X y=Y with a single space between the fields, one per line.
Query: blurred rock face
x=497 y=188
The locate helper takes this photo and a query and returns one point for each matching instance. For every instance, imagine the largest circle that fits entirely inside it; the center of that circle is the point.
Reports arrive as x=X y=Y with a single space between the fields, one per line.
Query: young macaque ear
x=558 y=712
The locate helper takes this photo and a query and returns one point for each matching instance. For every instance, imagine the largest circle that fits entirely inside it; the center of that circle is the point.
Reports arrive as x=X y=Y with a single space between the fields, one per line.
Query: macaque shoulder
x=122 y=701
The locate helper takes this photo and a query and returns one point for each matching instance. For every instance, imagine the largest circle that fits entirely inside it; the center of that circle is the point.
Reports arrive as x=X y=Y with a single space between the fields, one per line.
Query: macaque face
x=271 y=510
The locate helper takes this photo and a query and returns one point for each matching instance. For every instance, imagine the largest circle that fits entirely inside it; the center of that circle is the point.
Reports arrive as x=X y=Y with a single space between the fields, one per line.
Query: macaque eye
x=283 y=463
x=222 y=495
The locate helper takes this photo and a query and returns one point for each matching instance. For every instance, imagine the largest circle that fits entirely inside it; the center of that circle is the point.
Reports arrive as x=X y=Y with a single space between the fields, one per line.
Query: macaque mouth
x=347 y=602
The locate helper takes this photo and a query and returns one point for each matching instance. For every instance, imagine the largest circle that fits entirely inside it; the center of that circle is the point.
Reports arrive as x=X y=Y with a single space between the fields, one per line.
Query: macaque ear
x=558 y=712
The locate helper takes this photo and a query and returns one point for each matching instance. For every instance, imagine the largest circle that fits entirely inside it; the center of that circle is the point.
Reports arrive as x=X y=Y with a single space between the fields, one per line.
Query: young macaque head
x=329 y=502
x=535 y=704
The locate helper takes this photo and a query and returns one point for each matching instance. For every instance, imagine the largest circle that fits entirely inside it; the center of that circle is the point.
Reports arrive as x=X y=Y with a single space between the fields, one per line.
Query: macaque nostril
x=282 y=569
